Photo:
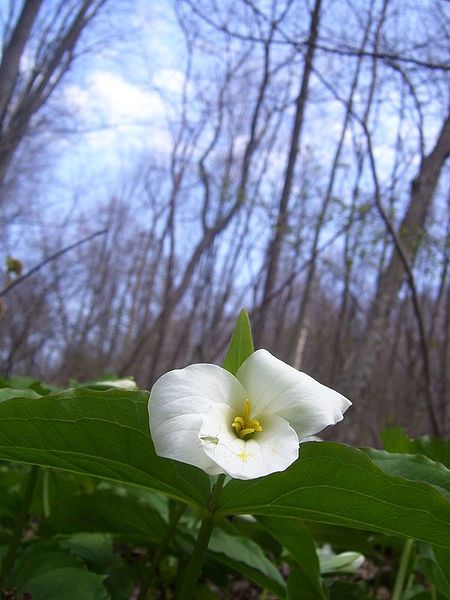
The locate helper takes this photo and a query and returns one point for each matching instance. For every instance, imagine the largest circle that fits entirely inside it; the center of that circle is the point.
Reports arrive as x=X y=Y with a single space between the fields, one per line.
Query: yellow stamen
x=244 y=425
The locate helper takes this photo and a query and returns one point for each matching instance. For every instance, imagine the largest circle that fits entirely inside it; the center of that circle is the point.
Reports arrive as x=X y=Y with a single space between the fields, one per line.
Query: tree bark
x=410 y=234
x=12 y=53
x=275 y=245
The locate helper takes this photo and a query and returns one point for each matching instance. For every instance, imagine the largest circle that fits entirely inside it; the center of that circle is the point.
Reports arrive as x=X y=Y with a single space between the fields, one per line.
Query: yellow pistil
x=244 y=425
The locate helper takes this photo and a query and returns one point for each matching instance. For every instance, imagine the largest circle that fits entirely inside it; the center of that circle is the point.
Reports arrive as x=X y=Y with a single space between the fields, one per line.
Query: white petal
x=268 y=451
x=177 y=401
x=276 y=388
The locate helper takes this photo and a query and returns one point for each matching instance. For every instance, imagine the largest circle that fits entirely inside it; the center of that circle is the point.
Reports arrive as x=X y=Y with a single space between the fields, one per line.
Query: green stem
x=148 y=579
x=21 y=520
x=402 y=570
x=45 y=494
x=193 y=570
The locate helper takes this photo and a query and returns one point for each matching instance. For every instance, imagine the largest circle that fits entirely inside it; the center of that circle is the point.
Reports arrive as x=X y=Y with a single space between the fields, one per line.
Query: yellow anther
x=244 y=425
x=245 y=432
x=255 y=424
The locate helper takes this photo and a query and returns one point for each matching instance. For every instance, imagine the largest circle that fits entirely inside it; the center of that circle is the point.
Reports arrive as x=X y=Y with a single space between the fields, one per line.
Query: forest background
x=164 y=164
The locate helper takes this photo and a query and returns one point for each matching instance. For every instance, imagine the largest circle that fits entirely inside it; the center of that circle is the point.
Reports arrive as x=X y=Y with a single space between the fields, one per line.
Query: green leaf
x=442 y=558
x=396 y=440
x=8 y=393
x=92 y=548
x=333 y=483
x=107 y=512
x=247 y=526
x=298 y=541
x=343 y=538
x=21 y=383
x=40 y=557
x=241 y=345
x=415 y=467
x=344 y=590
x=99 y=433
x=246 y=557
x=66 y=582
x=435 y=564
x=46 y=572
x=106 y=383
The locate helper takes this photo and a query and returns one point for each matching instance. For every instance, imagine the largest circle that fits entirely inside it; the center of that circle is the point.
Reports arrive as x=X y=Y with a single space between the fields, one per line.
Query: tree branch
x=50 y=258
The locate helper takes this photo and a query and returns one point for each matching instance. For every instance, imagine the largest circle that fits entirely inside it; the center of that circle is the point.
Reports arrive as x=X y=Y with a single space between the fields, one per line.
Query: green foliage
x=337 y=484
x=101 y=507
x=298 y=541
x=100 y=433
x=244 y=556
x=396 y=440
x=47 y=570
x=415 y=467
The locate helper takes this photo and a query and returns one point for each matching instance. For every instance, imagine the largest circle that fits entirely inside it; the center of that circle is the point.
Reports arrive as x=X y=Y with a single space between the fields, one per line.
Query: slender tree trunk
x=12 y=52
x=410 y=234
x=275 y=246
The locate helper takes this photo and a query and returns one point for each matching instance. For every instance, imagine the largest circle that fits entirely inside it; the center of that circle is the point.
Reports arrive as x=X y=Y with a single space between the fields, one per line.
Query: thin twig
x=54 y=256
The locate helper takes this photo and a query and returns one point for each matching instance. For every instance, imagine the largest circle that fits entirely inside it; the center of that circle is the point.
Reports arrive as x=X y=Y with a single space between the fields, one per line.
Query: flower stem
x=21 y=519
x=148 y=578
x=45 y=493
x=402 y=570
x=194 y=567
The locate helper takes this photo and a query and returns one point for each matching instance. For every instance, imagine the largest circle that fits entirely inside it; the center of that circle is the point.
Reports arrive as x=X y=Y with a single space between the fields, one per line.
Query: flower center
x=242 y=425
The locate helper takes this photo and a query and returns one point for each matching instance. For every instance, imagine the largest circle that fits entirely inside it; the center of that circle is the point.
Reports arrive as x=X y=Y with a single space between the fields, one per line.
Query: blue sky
x=121 y=97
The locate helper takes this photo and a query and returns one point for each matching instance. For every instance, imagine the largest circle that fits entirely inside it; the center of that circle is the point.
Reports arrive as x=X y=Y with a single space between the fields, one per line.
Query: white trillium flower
x=246 y=426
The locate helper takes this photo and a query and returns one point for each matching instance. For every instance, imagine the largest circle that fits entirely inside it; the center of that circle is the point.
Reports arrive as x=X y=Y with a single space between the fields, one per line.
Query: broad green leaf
x=246 y=557
x=21 y=383
x=92 y=548
x=437 y=567
x=239 y=554
x=40 y=557
x=333 y=483
x=7 y=393
x=247 y=526
x=104 y=383
x=344 y=590
x=415 y=467
x=45 y=571
x=66 y=582
x=344 y=538
x=99 y=433
x=396 y=440
x=299 y=586
x=241 y=345
x=297 y=540
x=107 y=512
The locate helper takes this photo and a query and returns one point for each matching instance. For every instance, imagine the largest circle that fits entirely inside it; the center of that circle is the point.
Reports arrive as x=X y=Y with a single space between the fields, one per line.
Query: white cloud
x=108 y=98
x=170 y=80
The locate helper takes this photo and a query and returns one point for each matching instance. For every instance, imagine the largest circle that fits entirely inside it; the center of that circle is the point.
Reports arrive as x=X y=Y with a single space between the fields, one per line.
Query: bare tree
x=407 y=242
x=24 y=93
x=275 y=245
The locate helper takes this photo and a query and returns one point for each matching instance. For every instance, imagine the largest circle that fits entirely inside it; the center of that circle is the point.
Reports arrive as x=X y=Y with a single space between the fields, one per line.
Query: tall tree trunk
x=300 y=319
x=13 y=50
x=410 y=233
x=275 y=245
